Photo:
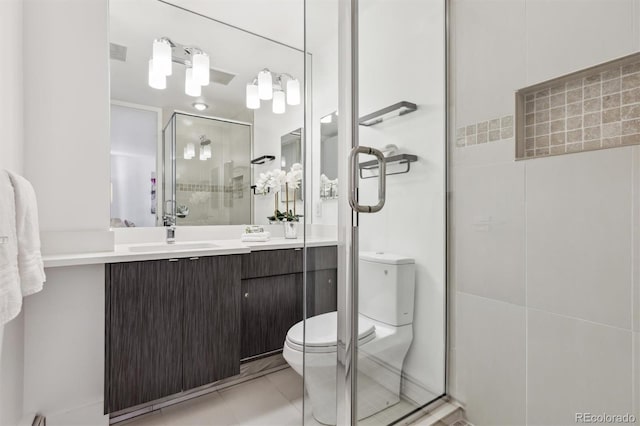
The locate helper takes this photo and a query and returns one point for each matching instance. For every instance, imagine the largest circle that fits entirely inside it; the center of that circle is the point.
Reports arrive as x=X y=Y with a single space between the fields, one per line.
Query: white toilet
x=385 y=332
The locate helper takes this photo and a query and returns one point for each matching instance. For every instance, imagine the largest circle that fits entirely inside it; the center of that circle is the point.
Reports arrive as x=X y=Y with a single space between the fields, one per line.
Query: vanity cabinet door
x=143 y=332
x=270 y=306
x=322 y=291
x=211 y=345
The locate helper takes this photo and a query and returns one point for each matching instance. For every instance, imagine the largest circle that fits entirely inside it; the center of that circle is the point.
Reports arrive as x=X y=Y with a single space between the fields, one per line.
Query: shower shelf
x=253 y=188
x=395 y=110
x=263 y=160
x=400 y=159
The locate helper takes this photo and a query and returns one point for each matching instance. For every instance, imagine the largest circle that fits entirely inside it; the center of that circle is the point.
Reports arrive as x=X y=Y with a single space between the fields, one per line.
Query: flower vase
x=290 y=230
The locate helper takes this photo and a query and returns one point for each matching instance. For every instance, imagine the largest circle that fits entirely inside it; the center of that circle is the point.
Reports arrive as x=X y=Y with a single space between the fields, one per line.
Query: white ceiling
x=135 y=24
x=280 y=20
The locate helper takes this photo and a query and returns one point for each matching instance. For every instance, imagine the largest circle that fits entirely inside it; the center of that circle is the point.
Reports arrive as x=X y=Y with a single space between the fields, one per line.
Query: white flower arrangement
x=273 y=181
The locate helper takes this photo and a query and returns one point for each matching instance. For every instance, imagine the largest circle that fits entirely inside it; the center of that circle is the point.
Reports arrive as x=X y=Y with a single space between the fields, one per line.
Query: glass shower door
x=391 y=318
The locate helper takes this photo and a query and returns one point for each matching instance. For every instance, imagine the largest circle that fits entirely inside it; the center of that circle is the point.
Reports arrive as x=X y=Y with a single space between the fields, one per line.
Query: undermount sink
x=173 y=247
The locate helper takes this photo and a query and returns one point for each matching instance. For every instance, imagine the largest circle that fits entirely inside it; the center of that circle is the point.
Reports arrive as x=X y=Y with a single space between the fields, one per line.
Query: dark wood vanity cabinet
x=270 y=306
x=144 y=332
x=176 y=324
x=211 y=344
x=171 y=325
x=272 y=294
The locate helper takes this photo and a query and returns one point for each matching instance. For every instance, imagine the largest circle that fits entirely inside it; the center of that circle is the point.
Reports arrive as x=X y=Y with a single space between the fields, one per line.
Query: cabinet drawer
x=271 y=262
x=322 y=258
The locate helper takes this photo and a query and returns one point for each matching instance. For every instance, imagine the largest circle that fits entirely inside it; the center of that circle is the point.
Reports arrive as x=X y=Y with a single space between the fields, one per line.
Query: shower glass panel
x=381 y=356
x=210 y=168
x=401 y=249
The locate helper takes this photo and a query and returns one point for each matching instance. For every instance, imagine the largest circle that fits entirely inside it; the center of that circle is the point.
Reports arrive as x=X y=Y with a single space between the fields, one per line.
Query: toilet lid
x=322 y=331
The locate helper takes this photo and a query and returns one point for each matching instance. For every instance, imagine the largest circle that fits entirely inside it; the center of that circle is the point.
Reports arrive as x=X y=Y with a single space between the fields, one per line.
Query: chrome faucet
x=169 y=221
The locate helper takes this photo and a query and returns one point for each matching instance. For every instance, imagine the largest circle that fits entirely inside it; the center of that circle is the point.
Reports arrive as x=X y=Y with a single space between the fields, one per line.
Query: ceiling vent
x=221 y=77
x=118 y=52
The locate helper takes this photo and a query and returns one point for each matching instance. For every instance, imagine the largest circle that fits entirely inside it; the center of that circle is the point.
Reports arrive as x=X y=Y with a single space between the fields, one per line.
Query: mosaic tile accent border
x=485 y=131
x=592 y=109
x=196 y=187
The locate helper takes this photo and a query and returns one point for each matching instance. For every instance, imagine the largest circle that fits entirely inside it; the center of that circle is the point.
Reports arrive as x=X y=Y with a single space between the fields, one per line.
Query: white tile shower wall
x=11 y=157
x=581 y=237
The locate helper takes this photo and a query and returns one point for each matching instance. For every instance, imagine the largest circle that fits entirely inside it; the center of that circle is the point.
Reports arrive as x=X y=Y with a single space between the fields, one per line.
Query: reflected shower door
x=212 y=171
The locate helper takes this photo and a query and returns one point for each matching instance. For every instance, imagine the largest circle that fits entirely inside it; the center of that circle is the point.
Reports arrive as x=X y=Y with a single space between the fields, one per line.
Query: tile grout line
x=565 y=316
x=526 y=305
x=634 y=201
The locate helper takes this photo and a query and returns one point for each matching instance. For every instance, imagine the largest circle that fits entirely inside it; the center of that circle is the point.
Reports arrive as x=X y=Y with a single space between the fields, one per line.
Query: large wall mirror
x=329 y=156
x=194 y=100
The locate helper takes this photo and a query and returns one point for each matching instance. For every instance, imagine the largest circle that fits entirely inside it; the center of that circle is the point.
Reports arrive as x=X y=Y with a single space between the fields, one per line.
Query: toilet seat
x=321 y=333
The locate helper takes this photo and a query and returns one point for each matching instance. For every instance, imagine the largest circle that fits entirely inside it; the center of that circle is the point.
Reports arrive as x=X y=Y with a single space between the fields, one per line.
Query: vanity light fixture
x=197 y=62
x=270 y=85
x=200 y=106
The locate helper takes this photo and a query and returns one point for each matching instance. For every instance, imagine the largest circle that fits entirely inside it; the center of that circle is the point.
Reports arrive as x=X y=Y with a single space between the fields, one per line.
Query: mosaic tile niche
x=595 y=108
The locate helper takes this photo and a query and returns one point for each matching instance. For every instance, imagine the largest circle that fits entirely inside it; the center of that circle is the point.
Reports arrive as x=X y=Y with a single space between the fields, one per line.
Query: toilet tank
x=386 y=287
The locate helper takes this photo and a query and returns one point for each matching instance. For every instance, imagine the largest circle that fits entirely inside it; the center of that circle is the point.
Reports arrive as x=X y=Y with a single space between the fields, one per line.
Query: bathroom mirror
x=181 y=149
x=290 y=154
x=329 y=156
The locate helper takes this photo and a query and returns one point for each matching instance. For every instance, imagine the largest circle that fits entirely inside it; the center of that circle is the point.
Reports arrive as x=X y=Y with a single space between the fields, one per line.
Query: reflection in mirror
x=194 y=99
x=212 y=173
x=134 y=143
x=290 y=154
x=329 y=156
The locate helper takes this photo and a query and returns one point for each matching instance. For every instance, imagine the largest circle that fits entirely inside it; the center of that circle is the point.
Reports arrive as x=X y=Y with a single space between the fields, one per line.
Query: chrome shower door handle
x=353 y=179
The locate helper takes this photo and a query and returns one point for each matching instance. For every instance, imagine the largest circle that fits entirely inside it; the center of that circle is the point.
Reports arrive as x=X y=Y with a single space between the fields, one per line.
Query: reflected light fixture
x=253 y=99
x=196 y=61
x=200 y=106
x=157 y=80
x=201 y=73
x=191 y=86
x=278 y=102
x=293 y=92
x=189 y=151
x=265 y=85
x=270 y=85
x=162 y=56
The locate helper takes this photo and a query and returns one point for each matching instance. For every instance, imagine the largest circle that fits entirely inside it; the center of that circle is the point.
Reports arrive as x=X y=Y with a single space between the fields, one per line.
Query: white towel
x=10 y=291
x=30 y=265
x=255 y=237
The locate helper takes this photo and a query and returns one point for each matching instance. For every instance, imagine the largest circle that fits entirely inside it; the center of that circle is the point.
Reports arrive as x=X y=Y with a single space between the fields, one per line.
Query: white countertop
x=137 y=252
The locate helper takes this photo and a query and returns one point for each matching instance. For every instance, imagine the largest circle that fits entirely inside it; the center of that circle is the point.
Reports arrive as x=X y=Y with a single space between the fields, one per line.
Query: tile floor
x=271 y=400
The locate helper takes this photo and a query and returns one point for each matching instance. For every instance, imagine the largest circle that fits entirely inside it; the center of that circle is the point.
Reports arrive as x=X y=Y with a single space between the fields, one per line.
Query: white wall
x=545 y=251
x=11 y=157
x=268 y=128
x=66 y=96
x=67 y=112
